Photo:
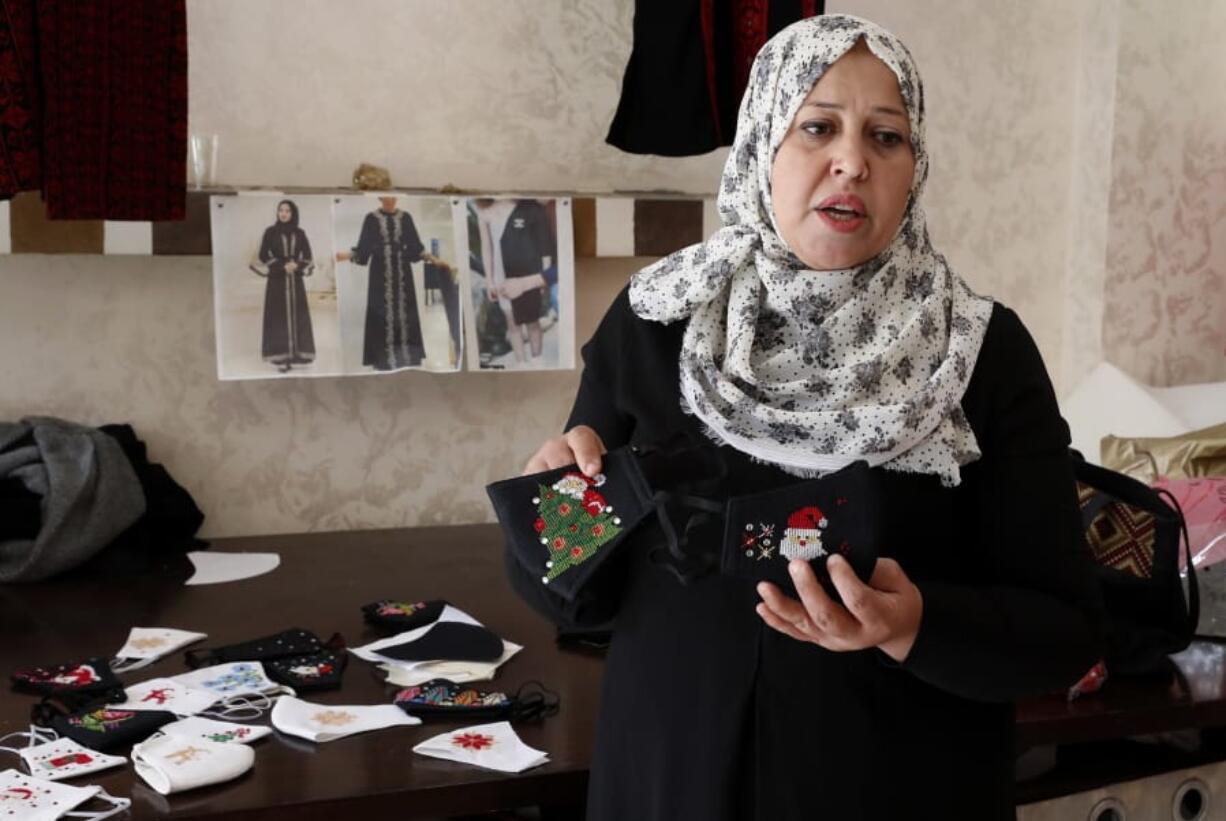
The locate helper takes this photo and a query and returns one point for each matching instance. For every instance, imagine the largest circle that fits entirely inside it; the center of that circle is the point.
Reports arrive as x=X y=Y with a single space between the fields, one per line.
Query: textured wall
x=996 y=78
x=486 y=94
x=114 y=339
x=1165 y=309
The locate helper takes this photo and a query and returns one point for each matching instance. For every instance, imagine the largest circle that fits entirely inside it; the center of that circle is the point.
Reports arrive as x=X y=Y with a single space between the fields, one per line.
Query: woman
x=284 y=260
x=517 y=244
x=819 y=327
x=389 y=244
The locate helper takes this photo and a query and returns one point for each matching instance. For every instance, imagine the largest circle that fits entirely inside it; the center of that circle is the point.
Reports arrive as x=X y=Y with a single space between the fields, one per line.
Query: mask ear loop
x=241 y=708
x=126 y=665
x=36 y=735
x=118 y=805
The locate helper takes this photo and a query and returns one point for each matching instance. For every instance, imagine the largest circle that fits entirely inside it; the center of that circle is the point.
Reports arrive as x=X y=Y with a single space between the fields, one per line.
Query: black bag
x=1134 y=532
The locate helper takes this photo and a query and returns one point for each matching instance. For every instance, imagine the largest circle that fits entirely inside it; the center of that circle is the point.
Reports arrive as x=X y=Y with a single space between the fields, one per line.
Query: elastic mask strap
x=36 y=735
x=241 y=708
x=118 y=805
x=122 y=665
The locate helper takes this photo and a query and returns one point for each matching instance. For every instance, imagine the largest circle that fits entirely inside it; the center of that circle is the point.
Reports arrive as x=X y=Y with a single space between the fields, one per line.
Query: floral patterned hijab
x=812 y=370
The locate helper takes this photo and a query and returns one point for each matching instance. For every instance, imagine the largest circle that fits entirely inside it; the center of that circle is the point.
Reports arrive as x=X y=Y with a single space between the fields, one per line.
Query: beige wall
x=1044 y=118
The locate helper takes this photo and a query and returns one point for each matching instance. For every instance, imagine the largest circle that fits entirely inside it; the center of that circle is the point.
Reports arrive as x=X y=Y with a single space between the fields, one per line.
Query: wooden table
x=321 y=583
x=323 y=580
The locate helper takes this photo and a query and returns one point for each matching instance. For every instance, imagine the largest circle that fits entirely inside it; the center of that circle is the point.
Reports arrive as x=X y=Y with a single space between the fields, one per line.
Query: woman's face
x=284 y=212
x=842 y=175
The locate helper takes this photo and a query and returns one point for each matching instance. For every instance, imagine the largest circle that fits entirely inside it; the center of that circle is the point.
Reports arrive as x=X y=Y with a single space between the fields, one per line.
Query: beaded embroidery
x=574 y=520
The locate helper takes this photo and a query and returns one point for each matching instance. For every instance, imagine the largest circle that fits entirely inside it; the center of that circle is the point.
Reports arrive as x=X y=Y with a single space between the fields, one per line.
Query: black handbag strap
x=1193 y=584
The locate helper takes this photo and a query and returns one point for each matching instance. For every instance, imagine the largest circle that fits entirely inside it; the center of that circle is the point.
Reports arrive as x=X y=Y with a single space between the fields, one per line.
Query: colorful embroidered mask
x=29 y=798
x=441 y=698
x=810 y=520
x=452 y=640
x=402 y=615
x=321 y=671
x=77 y=684
x=292 y=642
x=102 y=728
x=328 y=722
x=172 y=764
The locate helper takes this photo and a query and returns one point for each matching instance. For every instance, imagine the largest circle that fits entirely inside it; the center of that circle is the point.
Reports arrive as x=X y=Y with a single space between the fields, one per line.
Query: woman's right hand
x=578 y=446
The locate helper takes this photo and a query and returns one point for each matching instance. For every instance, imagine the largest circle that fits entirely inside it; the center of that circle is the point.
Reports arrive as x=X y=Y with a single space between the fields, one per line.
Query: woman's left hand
x=884 y=613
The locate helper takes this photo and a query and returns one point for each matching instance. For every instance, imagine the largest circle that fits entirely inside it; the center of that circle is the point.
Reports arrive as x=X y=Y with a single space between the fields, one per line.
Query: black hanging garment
x=689 y=68
x=389 y=244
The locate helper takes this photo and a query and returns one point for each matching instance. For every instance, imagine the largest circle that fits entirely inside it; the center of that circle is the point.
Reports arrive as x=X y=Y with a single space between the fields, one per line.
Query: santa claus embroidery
x=803 y=537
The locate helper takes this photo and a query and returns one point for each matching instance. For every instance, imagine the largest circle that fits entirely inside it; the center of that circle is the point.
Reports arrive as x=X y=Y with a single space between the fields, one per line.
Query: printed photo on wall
x=274 y=287
x=398 y=282
x=520 y=282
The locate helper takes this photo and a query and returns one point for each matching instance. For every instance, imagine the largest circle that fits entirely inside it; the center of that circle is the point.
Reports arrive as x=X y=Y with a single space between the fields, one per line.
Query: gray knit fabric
x=90 y=494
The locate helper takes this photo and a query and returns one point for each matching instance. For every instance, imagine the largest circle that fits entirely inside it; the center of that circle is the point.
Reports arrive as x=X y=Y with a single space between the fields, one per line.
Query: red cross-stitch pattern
x=473 y=741
x=1121 y=537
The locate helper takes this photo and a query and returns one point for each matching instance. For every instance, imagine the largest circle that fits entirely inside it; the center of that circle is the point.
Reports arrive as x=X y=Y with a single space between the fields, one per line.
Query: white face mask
x=328 y=722
x=493 y=746
x=166 y=694
x=26 y=798
x=408 y=675
x=245 y=691
x=146 y=645
x=65 y=758
x=172 y=763
x=219 y=732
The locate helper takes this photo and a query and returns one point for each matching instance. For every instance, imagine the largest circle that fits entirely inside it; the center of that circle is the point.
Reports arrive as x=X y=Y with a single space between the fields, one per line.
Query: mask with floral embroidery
x=493 y=746
x=445 y=699
x=328 y=722
x=402 y=615
x=220 y=732
x=102 y=728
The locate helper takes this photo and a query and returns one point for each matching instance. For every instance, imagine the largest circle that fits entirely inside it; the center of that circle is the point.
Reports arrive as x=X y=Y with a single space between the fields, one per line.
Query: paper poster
x=274 y=286
x=519 y=281
x=398 y=281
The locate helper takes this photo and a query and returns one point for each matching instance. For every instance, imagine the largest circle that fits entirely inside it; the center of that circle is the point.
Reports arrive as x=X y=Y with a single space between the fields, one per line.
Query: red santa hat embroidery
x=803 y=537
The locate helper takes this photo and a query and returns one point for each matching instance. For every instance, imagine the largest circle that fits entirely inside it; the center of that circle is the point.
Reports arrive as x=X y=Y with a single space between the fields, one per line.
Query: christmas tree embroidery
x=574 y=520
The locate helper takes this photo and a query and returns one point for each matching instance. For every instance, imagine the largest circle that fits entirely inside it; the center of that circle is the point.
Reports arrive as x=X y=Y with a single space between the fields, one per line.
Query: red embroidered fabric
x=19 y=112
x=115 y=108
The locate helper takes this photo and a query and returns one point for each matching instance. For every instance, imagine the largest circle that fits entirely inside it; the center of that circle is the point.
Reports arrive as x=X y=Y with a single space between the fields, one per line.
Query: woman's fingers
x=580 y=446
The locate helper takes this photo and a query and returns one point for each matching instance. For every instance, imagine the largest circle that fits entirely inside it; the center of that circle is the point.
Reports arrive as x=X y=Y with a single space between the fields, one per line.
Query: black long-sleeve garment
x=708 y=714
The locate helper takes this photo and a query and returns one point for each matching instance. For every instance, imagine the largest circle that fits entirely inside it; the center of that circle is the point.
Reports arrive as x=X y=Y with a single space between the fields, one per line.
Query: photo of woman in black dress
x=284 y=259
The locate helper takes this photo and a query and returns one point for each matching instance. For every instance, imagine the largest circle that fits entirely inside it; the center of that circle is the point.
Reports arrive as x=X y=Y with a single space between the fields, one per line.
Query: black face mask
x=451 y=641
x=292 y=642
x=321 y=671
x=563 y=526
x=445 y=699
x=402 y=615
x=76 y=684
x=101 y=729
x=809 y=520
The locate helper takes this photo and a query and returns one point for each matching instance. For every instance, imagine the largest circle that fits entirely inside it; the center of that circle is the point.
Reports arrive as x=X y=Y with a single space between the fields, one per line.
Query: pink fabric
x=1204 y=507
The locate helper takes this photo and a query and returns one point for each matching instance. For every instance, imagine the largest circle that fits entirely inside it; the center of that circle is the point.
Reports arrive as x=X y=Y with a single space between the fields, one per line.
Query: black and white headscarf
x=812 y=370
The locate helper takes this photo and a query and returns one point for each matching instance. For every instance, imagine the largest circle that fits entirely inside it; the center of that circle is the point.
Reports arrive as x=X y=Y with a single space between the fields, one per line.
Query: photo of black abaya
x=284 y=259
x=389 y=244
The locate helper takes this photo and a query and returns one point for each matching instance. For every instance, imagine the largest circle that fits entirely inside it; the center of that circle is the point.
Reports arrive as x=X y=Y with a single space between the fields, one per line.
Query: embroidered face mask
x=76 y=683
x=448 y=640
x=402 y=615
x=292 y=642
x=146 y=645
x=565 y=525
x=219 y=732
x=233 y=679
x=440 y=698
x=328 y=722
x=809 y=520
x=410 y=674
x=493 y=746
x=171 y=763
x=28 y=798
x=65 y=758
x=167 y=694
x=104 y=728
x=321 y=671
